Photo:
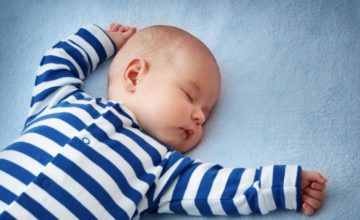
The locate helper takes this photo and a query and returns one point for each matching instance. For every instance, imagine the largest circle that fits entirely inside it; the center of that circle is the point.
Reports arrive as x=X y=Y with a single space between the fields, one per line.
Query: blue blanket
x=290 y=79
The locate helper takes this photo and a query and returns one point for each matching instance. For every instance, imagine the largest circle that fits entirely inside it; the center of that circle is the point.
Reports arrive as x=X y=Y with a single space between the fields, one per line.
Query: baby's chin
x=175 y=142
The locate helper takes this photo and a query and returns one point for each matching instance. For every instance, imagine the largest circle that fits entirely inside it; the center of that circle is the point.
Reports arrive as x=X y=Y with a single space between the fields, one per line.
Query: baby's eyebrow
x=194 y=86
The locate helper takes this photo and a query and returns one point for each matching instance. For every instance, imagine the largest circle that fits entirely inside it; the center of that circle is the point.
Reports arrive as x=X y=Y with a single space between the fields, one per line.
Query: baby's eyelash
x=188 y=96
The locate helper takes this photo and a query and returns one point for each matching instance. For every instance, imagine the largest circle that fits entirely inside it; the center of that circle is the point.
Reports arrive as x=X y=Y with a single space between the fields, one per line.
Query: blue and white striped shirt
x=88 y=158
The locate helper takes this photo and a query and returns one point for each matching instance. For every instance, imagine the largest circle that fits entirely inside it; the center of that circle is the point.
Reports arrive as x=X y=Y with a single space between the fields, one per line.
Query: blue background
x=290 y=79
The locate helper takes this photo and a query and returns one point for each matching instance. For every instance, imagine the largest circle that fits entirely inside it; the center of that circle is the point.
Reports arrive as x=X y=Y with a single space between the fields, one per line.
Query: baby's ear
x=134 y=71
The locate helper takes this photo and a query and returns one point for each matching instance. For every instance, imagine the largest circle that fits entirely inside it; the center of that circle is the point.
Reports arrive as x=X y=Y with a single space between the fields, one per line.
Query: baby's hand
x=313 y=185
x=119 y=34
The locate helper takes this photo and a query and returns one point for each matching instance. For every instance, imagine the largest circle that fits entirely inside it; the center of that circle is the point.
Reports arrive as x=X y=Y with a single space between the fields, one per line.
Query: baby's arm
x=65 y=66
x=195 y=188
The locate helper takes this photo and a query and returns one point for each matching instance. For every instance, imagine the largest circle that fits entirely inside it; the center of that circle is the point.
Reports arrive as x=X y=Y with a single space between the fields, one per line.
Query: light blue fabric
x=290 y=79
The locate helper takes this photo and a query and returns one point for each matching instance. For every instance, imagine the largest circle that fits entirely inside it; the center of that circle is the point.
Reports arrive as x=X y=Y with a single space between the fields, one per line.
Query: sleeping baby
x=95 y=158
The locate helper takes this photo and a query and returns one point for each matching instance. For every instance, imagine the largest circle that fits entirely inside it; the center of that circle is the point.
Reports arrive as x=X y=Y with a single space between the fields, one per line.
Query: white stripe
x=99 y=109
x=78 y=112
x=242 y=205
x=261 y=201
x=131 y=145
x=42 y=142
x=101 y=177
x=266 y=184
x=54 y=83
x=61 y=53
x=57 y=124
x=217 y=190
x=289 y=186
x=165 y=178
x=83 y=53
x=52 y=99
x=103 y=38
x=3 y=206
x=88 y=49
x=49 y=203
x=143 y=204
x=11 y=183
x=246 y=181
x=164 y=203
x=22 y=160
x=18 y=212
x=188 y=201
x=76 y=190
x=118 y=161
x=51 y=66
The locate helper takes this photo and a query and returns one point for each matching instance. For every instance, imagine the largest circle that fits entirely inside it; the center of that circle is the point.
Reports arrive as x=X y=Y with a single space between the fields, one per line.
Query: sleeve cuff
x=281 y=187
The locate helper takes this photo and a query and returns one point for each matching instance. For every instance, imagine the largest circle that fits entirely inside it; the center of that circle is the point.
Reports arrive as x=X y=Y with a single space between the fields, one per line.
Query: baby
x=94 y=158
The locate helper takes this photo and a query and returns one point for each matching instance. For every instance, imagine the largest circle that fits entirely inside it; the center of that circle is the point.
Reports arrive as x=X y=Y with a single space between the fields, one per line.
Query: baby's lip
x=188 y=132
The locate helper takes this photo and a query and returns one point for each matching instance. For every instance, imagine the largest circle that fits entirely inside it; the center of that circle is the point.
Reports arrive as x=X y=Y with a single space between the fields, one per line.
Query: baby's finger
x=317 y=186
x=314 y=203
x=113 y=27
x=307 y=210
x=130 y=32
x=123 y=28
x=314 y=193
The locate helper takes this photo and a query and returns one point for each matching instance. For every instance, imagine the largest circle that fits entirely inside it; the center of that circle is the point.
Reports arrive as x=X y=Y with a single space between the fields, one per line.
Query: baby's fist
x=119 y=34
x=313 y=185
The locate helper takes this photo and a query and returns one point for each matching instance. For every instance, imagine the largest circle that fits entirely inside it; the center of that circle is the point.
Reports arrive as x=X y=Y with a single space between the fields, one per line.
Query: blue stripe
x=16 y=171
x=28 y=120
x=204 y=190
x=107 y=36
x=86 y=107
x=179 y=190
x=50 y=75
x=67 y=117
x=124 y=152
x=149 y=149
x=87 y=55
x=79 y=95
x=174 y=157
x=32 y=151
x=52 y=59
x=44 y=94
x=183 y=165
x=75 y=54
x=47 y=92
x=278 y=186
x=6 y=195
x=50 y=133
x=94 y=42
x=122 y=112
x=91 y=185
x=65 y=198
x=6 y=216
x=109 y=168
x=252 y=199
x=98 y=102
x=298 y=191
x=34 y=207
x=227 y=197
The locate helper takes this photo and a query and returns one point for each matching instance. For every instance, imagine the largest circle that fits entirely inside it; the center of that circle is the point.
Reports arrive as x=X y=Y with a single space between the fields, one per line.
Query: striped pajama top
x=88 y=158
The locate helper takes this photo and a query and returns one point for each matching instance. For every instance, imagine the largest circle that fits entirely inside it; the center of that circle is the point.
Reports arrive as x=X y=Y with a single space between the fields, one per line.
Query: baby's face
x=172 y=101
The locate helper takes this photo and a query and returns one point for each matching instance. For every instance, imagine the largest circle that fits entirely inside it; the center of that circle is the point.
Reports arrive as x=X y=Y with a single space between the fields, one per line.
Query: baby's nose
x=198 y=117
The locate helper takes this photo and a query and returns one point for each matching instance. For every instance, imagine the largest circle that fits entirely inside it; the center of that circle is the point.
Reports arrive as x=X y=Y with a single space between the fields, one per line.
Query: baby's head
x=170 y=80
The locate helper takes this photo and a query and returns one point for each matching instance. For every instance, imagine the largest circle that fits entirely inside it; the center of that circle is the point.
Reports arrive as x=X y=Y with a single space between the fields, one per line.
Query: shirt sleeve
x=65 y=66
x=196 y=188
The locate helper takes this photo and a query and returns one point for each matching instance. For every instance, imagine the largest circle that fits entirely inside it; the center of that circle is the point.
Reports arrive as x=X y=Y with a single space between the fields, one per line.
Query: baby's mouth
x=187 y=133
